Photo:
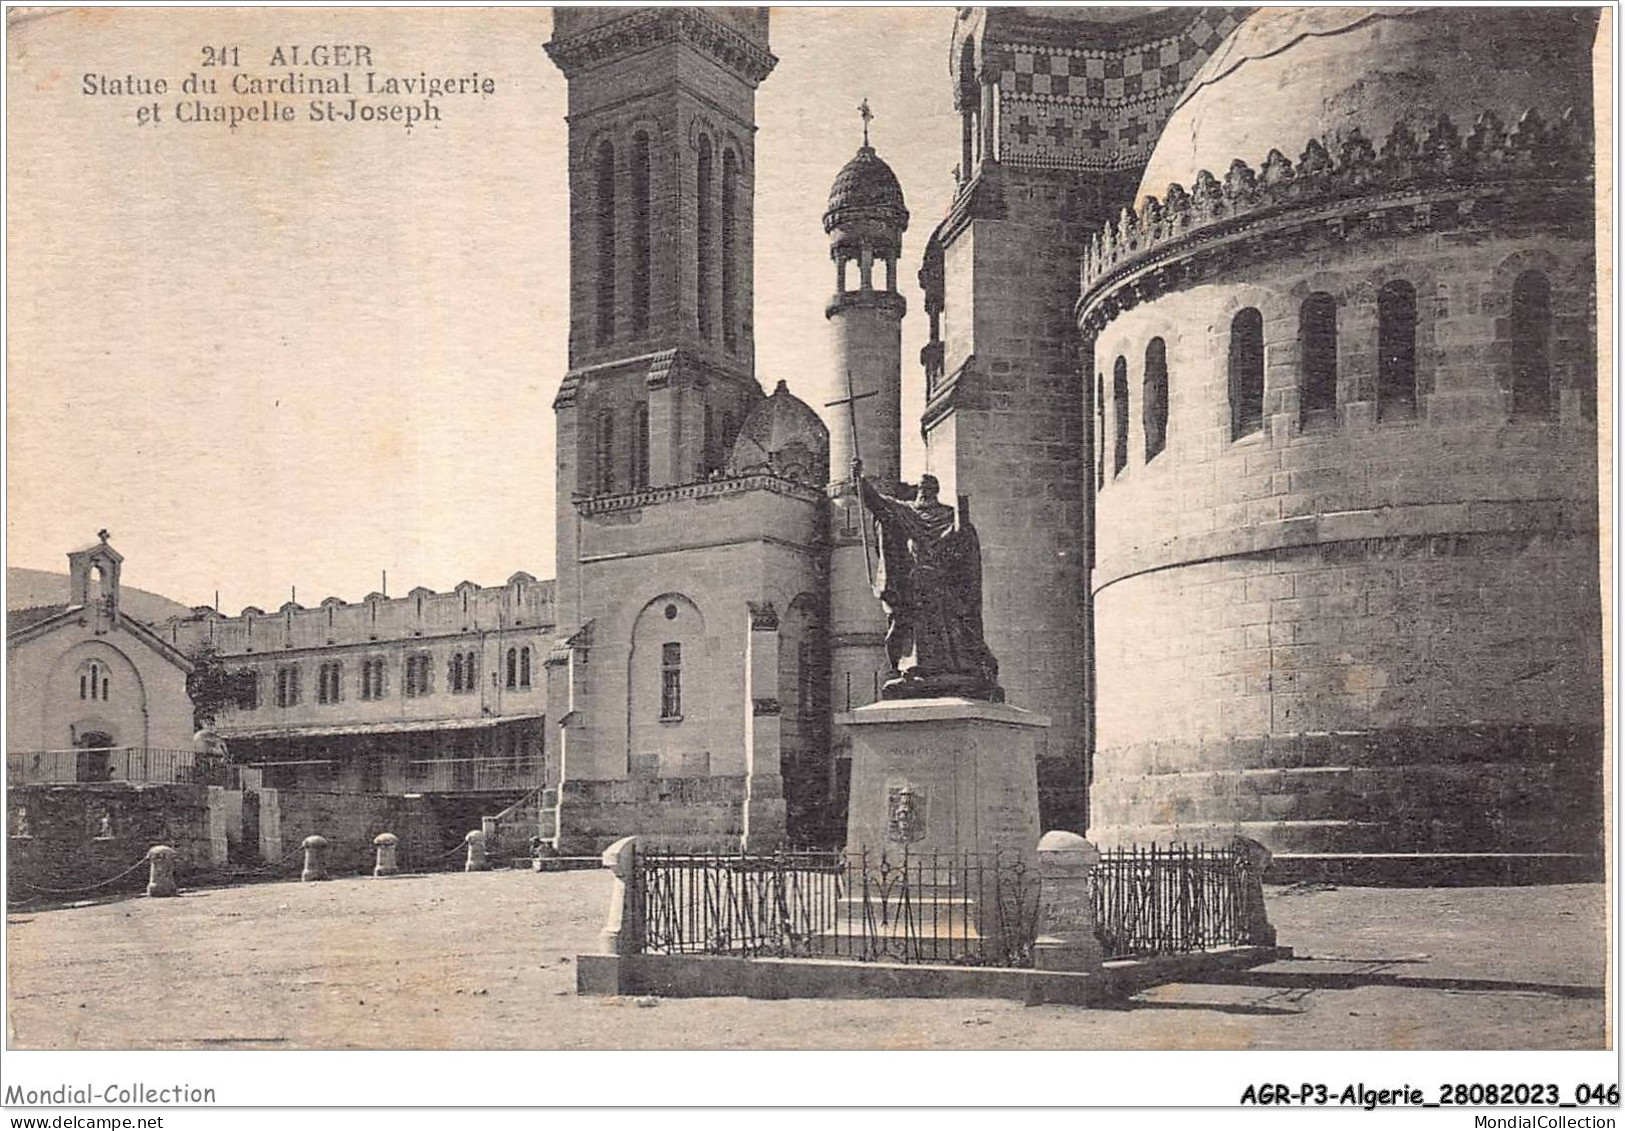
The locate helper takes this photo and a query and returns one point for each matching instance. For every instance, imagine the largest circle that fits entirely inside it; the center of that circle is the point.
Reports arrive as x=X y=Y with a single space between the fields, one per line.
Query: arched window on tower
x=1120 y=415
x=605 y=471
x=730 y=252
x=524 y=667
x=1531 y=345
x=1396 y=350
x=642 y=249
x=704 y=235
x=970 y=113
x=606 y=242
x=512 y=680
x=640 y=441
x=1317 y=350
x=1246 y=373
x=1100 y=431
x=1154 y=400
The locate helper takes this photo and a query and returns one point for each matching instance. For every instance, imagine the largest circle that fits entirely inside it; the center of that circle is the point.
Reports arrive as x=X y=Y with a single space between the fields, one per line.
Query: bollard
x=1066 y=922
x=162 y=880
x=476 y=852
x=315 y=859
x=385 y=843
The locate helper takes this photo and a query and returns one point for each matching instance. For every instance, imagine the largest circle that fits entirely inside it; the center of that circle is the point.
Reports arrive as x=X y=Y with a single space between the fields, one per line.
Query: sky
x=286 y=359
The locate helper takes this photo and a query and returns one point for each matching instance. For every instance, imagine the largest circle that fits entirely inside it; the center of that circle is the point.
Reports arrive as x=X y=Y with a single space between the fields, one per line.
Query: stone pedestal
x=1066 y=915
x=944 y=776
x=949 y=788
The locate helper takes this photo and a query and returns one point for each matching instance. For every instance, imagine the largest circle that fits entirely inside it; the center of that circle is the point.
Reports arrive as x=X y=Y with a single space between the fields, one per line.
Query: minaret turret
x=865 y=220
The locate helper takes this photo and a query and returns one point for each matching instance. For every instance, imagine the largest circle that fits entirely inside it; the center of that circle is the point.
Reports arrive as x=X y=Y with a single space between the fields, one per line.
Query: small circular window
x=671 y=612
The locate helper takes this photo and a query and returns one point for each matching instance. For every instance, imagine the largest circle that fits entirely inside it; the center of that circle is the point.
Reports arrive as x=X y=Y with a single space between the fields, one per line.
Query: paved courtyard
x=487 y=961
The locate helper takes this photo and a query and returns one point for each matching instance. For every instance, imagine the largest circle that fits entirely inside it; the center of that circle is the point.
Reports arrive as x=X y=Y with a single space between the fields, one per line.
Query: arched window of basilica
x=524 y=667
x=604 y=473
x=730 y=251
x=1396 y=350
x=1531 y=345
x=513 y=669
x=606 y=242
x=640 y=451
x=1317 y=350
x=1154 y=399
x=1246 y=373
x=704 y=237
x=642 y=246
x=1120 y=415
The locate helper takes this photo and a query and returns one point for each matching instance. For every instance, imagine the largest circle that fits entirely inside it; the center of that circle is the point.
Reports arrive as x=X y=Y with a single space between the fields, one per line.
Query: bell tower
x=662 y=121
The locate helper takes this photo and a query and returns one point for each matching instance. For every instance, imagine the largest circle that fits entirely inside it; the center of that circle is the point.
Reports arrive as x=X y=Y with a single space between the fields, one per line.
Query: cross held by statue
x=851 y=402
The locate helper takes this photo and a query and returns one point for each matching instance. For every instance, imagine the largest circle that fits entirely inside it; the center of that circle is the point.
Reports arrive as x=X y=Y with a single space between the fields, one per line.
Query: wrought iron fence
x=115 y=764
x=930 y=907
x=960 y=909
x=1172 y=899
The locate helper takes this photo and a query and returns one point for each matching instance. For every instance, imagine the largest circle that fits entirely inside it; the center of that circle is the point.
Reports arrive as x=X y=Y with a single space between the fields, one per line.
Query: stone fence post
x=476 y=852
x=315 y=859
x=161 y=880
x=386 y=844
x=1255 y=916
x=1066 y=914
x=623 y=933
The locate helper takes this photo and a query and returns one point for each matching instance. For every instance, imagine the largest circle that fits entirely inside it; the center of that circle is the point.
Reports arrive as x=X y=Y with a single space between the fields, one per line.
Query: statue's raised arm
x=931 y=586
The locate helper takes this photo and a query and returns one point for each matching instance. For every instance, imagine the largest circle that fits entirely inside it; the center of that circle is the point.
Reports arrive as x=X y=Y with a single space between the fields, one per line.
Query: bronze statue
x=931 y=585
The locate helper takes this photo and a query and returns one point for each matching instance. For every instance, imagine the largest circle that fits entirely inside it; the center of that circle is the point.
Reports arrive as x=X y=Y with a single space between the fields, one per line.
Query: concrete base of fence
x=693 y=975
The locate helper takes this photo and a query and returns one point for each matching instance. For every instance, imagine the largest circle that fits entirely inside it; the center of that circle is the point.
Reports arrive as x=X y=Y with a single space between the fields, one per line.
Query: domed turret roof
x=1287 y=75
x=866 y=187
x=783 y=436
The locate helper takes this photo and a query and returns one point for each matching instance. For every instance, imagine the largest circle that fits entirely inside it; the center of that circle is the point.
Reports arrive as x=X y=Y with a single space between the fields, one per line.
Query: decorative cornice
x=887 y=302
x=958 y=389
x=980 y=198
x=646 y=28
x=567 y=646
x=708 y=489
x=661 y=369
x=1429 y=178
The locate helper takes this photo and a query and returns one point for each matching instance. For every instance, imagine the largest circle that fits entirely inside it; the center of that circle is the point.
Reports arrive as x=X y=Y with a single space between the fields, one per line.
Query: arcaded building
x=430 y=693
x=1341 y=359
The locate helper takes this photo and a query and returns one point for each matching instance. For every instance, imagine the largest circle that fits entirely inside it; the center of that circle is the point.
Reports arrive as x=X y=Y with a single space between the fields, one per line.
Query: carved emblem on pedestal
x=905 y=814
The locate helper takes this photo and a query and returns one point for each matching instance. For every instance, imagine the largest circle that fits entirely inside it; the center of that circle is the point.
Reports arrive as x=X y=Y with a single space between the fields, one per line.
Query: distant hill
x=26 y=588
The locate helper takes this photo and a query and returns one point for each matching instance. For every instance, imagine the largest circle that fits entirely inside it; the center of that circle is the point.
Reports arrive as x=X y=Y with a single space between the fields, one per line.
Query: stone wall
x=349 y=821
x=56 y=837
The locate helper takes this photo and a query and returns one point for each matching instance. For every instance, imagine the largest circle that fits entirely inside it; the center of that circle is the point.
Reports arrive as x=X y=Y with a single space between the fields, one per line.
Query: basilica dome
x=1288 y=75
x=783 y=436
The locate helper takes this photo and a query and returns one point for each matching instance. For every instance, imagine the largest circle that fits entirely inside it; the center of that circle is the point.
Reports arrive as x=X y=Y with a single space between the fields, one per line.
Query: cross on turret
x=868 y=116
